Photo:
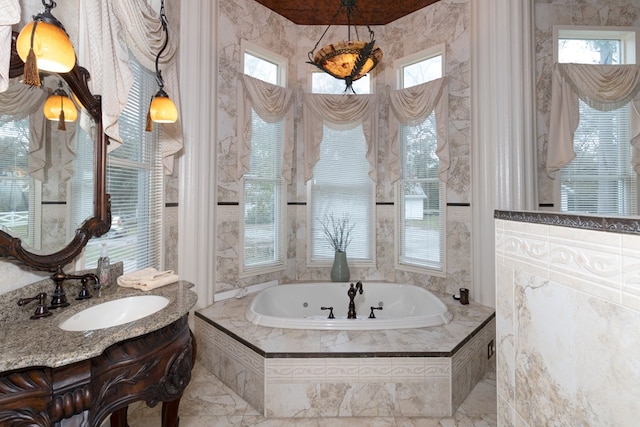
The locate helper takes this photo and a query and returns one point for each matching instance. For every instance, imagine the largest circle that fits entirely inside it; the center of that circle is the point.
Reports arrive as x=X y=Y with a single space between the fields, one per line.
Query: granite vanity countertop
x=40 y=342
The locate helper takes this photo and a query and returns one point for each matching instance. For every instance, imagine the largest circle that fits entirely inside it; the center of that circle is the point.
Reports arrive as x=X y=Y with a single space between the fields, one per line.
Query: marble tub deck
x=311 y=373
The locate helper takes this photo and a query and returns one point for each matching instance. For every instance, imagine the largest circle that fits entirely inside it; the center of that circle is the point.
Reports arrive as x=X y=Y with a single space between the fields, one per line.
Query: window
x=80 y=185
x=600 y=179
x=20 y=193
x=322 y=82
x=341 y=185
x=420 y=193
x=263 y=200
x=135 y=183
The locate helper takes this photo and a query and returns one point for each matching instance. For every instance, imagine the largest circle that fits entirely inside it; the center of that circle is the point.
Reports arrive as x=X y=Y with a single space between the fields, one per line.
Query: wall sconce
x=60 y=107
x=43 y=44
x=161 y=108
x=347 y=60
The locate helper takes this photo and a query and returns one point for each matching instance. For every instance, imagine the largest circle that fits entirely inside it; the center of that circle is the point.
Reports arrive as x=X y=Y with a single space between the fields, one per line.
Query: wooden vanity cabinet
x=155 y=367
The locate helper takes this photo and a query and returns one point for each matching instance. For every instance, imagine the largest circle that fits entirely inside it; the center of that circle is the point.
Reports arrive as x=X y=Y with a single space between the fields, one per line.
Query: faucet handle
x=84 y=291
x=41 y=309
x=331 y=316
x=373 y=316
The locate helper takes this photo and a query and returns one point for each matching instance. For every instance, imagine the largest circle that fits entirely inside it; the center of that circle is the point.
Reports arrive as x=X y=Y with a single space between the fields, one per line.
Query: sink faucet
x=353 y=289
x=59 y=297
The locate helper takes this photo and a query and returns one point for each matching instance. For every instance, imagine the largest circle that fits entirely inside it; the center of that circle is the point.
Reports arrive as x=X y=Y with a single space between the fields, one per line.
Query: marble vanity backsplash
x=11 y=311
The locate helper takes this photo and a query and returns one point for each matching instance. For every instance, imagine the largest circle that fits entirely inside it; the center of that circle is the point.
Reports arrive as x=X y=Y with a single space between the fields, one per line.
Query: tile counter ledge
x=612 y=224
x=48 y=374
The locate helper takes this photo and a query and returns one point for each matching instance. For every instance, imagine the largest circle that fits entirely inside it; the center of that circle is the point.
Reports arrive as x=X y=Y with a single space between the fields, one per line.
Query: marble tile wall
x=567 y=315
x=344 y=387
x=569 y=12
x=445 y=22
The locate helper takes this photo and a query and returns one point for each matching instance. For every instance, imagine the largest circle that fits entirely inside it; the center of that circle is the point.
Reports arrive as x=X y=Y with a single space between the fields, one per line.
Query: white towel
x=147 y=279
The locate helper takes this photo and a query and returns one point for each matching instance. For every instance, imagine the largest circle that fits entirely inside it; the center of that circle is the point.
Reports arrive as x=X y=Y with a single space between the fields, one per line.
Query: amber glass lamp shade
x=339 y=59
x=162 y=109
x=51 y=46
x=57 y=102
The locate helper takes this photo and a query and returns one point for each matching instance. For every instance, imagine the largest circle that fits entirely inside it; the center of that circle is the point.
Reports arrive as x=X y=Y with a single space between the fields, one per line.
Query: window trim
x=627 y=35
x=264 y=268
x=270 y=267
x=399 y=65
x=372 y=263
x=414 y=58
x=260 y=52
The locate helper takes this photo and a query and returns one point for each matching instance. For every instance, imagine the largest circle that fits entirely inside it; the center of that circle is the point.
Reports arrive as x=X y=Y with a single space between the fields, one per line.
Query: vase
x=340 y=269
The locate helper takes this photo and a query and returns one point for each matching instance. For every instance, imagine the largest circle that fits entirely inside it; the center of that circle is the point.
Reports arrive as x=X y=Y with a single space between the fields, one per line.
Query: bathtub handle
x=331 y=316
x=373 y=316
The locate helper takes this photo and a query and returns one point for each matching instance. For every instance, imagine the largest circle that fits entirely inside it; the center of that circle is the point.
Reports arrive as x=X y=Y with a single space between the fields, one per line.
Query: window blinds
x=264 y=195
x=135 y=183
x=600 y=179
x=341 y=185
x=421 y=204
x=18 y=189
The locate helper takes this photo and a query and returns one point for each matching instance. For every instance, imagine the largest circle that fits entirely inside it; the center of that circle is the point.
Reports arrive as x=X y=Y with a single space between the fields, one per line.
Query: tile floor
x=209 y=403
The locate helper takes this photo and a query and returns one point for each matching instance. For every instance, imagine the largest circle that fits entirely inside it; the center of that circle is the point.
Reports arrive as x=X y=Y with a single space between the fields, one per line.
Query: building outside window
x=420 y=193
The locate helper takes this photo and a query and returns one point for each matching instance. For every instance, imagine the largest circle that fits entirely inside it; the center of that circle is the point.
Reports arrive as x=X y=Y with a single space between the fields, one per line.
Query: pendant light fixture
x=60 y=107
x=43 y=44
x=161 y=108
x=347 y=60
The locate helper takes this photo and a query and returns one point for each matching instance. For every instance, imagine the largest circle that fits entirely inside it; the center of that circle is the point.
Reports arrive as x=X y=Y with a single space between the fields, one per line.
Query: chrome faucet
x=353 y=289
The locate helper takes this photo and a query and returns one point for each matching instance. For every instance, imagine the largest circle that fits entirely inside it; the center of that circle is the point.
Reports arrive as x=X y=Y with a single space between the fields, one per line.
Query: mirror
x=46 y=173
x=38 y=253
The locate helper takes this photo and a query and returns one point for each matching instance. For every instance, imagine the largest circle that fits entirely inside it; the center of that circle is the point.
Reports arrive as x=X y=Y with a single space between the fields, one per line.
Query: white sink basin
x=114 y=313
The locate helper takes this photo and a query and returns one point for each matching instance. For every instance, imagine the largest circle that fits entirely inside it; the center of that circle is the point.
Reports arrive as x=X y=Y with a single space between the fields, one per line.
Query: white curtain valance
x=602 y=87
x=10 y=16
x=115 y=28
x=272 y=103
x=338 y=111
x=19 y=101
x=410 y=107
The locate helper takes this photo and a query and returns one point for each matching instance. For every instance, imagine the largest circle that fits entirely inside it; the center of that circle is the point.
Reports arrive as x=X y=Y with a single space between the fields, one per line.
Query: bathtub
x=298 y=306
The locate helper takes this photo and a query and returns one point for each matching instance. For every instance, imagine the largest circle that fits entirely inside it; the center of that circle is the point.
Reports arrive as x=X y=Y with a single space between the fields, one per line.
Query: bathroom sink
x=114 y=313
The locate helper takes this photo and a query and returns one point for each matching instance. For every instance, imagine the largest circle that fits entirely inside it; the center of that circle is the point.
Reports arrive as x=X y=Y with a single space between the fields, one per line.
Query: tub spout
x=353 y=290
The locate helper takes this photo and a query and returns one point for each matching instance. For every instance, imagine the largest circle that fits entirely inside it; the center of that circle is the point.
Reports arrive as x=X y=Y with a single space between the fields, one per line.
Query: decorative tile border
x=417 y=386
x=623 y=225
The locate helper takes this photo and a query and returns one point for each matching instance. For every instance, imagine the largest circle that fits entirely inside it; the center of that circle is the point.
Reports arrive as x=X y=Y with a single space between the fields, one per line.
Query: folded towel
x=147 y=279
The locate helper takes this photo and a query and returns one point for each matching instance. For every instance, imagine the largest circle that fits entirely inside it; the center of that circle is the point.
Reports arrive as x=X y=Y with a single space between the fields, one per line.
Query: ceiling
x=321 y=12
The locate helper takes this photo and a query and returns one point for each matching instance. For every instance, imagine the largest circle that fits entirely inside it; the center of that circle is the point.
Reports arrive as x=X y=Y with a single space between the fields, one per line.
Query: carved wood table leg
x=119 y=418
x=170 y=413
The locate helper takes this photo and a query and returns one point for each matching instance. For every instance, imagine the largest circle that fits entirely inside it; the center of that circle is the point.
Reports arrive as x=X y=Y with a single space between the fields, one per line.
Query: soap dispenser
x=103 y=267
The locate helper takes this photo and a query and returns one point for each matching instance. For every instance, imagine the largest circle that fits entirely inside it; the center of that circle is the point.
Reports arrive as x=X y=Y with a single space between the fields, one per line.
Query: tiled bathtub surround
x=304 y=373
x=567 y=319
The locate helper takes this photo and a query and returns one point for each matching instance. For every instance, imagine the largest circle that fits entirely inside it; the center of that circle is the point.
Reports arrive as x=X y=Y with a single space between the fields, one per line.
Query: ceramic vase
x=340 y=269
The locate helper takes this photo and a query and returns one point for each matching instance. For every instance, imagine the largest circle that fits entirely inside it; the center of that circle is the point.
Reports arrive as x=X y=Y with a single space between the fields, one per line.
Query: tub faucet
x=353 y=289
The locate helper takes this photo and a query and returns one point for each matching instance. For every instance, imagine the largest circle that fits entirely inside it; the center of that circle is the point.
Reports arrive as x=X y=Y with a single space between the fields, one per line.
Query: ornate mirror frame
x=100 y=222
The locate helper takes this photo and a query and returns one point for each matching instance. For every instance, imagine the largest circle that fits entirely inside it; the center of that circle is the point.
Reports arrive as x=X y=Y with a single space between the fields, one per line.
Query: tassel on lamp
x=161 y=108
x=43 y=44
x=60 y=107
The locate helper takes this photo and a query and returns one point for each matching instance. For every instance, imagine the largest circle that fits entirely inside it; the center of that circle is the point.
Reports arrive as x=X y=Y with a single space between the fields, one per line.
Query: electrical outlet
x=490 y=349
